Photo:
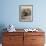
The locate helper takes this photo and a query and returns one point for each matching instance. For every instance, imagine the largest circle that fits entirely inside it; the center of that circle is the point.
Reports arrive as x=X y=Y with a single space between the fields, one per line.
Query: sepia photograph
x=25 y=13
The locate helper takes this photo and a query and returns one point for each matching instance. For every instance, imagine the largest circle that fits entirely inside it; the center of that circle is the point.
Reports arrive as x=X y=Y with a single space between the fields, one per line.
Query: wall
x=10 y=13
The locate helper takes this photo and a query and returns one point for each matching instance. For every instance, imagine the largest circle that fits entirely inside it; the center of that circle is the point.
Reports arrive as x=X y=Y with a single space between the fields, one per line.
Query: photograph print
x=25 y=13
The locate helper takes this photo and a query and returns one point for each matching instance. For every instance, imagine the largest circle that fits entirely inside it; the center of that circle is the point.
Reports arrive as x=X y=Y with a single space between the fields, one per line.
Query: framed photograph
x=25 y=13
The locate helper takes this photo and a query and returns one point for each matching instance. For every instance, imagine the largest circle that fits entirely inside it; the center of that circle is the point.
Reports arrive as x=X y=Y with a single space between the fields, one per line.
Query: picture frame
x=25 y=13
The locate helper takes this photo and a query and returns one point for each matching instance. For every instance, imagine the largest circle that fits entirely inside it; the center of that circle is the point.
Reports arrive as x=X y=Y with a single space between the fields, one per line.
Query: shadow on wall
x=2 y=26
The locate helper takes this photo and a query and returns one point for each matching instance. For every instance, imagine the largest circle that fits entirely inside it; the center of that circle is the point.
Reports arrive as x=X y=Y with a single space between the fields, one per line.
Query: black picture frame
x=26 y=13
